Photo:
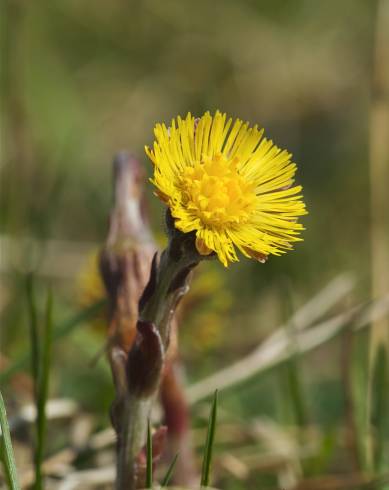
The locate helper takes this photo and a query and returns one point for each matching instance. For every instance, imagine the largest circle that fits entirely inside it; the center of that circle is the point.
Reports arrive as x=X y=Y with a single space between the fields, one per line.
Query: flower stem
x=167 y=284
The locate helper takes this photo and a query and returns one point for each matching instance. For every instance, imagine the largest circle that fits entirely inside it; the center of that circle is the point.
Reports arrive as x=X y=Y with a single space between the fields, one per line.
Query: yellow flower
x=227 y=184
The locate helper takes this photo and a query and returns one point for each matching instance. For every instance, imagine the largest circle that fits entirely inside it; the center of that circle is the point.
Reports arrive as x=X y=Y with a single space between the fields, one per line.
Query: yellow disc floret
x=229 y=185
x=216 y=193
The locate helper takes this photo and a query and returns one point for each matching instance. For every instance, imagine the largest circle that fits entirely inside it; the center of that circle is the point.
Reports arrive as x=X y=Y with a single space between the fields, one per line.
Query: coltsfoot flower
x=227 y=184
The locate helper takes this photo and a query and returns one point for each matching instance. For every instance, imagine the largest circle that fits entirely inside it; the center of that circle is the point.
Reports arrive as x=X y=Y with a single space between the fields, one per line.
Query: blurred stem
x=291 y=373
x=379 y=169
x=295 y=389
x=352 y=433
x=42 y=391
x=379 y=409
x=34 y=335
x=379 y=177
x=13 y=118
x=176 y=418
x=41 y=340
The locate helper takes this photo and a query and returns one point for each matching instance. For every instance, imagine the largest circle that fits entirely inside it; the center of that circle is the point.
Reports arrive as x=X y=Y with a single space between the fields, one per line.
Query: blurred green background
x=83 y=80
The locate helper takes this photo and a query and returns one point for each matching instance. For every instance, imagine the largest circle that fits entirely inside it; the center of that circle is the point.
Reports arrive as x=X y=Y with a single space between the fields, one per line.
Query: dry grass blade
x=269 y=354
x=318 y=305
x=88 y=478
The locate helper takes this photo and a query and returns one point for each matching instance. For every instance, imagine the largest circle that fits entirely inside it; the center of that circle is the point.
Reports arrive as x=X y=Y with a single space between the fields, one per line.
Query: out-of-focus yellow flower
x=229 y=185
x=90 y=288
x=205 y=310
x=208 y=333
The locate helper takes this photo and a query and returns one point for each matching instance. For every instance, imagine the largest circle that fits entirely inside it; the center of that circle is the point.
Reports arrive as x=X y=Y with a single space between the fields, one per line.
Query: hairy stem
x=168 y=282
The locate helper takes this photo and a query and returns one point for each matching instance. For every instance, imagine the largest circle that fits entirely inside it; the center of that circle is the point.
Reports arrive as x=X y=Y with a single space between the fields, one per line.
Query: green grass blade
x=169 y=472
x=149 y=457
x=207 y=459
x=62 y=330
x=6 y=451
x=34 y=333
x=317 y=463
x=359 y=388
x=42 y=390
x=296 y=391
x=292 y=372
x=379 y=403
x=82 y=316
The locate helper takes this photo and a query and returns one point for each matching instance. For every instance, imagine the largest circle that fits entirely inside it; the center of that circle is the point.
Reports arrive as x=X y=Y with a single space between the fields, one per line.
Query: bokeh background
x=83 y=80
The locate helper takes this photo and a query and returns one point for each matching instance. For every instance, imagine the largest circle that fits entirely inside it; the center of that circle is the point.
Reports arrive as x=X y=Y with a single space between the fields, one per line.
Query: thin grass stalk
x=291 y=370
x=359 y=382
x=208 y=450
x=350 y=402
x=43 y=385
x=169 y=472
x=149 y=457
x=34 y=334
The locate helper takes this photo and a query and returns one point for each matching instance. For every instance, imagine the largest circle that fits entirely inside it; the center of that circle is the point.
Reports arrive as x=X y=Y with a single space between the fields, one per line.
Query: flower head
x=227 y=184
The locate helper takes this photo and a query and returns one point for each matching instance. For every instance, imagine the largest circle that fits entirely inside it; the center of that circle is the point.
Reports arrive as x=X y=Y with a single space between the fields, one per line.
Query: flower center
x=216 y=193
